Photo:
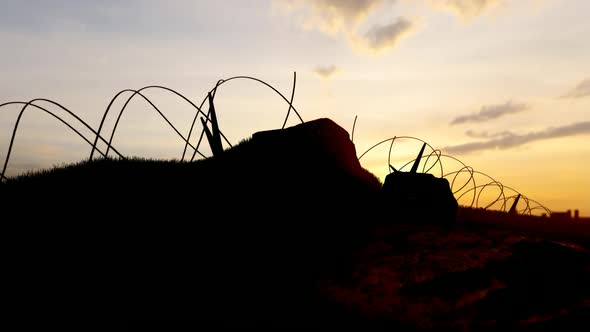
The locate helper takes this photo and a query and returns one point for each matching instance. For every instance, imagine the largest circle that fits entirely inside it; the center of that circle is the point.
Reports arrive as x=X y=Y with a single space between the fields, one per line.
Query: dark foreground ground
x=286 y=232
x=468 y=278
x=162 y=276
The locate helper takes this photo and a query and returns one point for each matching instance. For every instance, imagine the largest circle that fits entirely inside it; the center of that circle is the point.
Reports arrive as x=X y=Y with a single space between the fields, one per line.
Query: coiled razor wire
x=470 y=190
x=33 y=105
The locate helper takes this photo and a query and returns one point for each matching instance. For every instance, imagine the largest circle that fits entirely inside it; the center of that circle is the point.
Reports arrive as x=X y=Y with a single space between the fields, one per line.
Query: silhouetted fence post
x=513 y=207
x=214 y=136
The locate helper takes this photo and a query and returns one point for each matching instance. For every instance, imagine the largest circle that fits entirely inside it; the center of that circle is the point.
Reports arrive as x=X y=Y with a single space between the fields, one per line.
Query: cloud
x=511 y=140
x=326 y=71
x=382 y=37
x=581 y=90
x=333 y=16
x=485 y=134
x=492 y=112
x=347 y=18
x=466 y=8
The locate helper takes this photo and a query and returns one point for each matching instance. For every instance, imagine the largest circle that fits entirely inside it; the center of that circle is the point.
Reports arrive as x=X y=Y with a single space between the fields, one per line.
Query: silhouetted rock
x=420 y=198
x=318 y=146
x=321 y=138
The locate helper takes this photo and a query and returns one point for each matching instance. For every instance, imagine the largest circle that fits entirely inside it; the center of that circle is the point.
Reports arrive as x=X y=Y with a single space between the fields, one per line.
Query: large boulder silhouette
x=322 y=138
x=317 y=154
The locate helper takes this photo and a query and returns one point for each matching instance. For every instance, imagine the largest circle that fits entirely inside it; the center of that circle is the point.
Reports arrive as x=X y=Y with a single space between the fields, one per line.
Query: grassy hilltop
x=285 y=231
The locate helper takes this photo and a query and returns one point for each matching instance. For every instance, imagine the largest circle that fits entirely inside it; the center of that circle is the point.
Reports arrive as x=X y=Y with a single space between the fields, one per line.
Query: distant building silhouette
x=567 y=215
x=562 y=215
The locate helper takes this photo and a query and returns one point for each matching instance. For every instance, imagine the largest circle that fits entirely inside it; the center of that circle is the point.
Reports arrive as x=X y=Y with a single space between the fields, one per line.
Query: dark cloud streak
x=485 y=134
x=510 y=140
x=381 y=37
x=492 y=112
x=581 y=90
x=326 y=71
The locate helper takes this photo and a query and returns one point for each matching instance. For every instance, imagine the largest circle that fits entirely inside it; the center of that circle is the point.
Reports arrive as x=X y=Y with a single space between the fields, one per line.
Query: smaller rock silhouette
x=419 y=197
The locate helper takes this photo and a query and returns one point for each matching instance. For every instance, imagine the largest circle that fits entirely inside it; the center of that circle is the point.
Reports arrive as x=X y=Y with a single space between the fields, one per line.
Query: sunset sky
x=503 y=85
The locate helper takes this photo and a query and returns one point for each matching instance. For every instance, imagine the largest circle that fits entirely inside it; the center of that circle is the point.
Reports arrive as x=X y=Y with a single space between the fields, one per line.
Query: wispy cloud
x=510 y=140
x=326 y=72
x=466 y=8
x=491 y=112
x=485 y=134
x=581 y=90
x=333 y=16
x=347 y=19
x=383 y=37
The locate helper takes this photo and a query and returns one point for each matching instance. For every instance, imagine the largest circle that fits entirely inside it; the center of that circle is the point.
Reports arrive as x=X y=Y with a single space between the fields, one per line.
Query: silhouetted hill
x=284 y=231
x=168 y=240
x=314 y=158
